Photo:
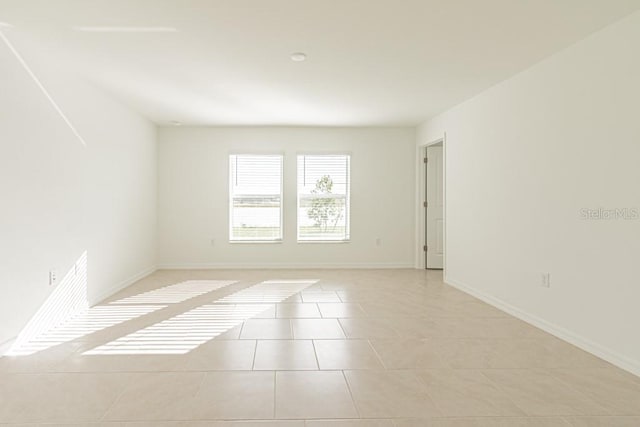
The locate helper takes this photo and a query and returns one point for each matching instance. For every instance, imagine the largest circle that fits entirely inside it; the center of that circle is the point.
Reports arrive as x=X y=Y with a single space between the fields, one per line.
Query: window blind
x=255 y=206
x=323 y=197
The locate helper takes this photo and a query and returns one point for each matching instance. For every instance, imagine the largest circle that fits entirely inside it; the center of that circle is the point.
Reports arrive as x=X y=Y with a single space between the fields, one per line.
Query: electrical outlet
x=378 y=242
x=213 y=242
x=53 y=277
x=545 y=280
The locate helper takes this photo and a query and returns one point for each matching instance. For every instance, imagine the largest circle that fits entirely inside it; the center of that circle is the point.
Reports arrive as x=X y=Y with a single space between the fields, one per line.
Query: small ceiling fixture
x=298 y=57
x=176 y=123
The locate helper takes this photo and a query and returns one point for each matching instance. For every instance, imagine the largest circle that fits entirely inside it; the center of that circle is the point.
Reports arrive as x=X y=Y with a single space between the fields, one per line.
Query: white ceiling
x=371 y=62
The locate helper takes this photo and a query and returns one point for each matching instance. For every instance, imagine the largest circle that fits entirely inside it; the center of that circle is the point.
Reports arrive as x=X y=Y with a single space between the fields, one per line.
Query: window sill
x=323 y=241
x=260 y=242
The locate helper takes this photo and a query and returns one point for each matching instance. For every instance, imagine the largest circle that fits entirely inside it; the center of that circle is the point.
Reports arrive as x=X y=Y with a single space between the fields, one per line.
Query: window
x=323 y=197
x=255 y=205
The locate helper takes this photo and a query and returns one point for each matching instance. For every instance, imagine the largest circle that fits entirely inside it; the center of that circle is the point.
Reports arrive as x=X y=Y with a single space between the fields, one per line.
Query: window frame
x=230 y=198
x=347 y=198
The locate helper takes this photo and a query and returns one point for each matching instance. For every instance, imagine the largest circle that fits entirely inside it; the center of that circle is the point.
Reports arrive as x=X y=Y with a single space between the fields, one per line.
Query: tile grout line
x=550 y=372
x=377 y=355
x=241 y=329
x=315 y=352
x=255 y=352
x=422 y=382
x=319 y=311
x=291 y=329
x=506 y=394
x=344 y=375
x=116 y=400
x=342 y=329
x=275 y=393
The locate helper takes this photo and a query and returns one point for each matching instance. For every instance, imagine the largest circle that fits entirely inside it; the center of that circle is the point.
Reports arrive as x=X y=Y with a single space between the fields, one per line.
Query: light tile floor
x=379 y=348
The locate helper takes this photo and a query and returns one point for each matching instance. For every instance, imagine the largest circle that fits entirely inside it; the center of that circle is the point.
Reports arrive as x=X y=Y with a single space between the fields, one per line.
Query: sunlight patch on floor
x=176 y=293
x=187 y=331
x=271 y=291
x=87 y=322
x=182 y=333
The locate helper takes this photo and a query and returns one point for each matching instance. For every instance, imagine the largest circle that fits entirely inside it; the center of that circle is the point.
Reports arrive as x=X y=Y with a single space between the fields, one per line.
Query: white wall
x=60 y=198
x=522 y=159
x=193 y=197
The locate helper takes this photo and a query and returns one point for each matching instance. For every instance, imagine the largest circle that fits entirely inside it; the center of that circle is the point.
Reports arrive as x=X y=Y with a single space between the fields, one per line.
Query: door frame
x=421 y=212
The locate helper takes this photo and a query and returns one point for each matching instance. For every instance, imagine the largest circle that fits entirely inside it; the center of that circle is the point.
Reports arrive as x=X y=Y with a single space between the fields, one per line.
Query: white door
x=435 y=208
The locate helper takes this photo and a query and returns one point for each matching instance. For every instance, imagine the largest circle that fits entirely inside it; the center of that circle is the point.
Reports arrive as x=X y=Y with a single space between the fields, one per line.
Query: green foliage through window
x=325 y=211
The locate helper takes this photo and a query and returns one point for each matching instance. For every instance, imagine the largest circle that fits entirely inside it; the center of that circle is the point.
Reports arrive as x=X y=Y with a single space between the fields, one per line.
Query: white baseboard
x=271 y=266
x=120 y=286
x=623 y=362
